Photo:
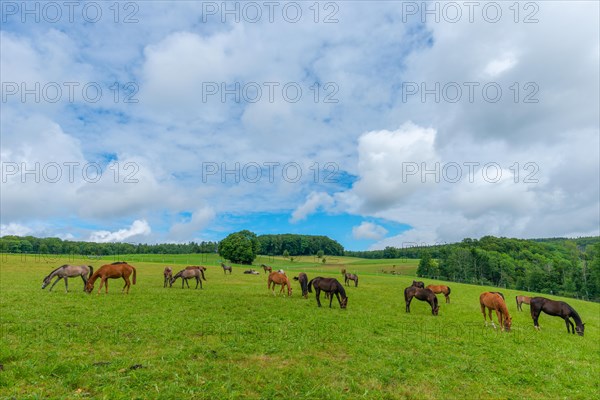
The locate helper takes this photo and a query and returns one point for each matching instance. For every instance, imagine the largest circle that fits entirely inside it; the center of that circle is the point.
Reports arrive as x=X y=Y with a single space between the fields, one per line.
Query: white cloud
x=13 y=229
x=369 y=230
x=497 y=66
x=311 y=205
x=199 y=220
x=137 y=228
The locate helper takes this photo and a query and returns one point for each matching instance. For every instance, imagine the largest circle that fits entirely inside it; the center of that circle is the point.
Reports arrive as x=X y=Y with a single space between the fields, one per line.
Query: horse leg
x=57 y=279
x=66 y=284
x=483 y=312
x=102 y=282
x=447 y=298
x=408 y=304
x=356 y=283
x=318 y=294
x=569 y=323
x=494 y=325
x=127 y=284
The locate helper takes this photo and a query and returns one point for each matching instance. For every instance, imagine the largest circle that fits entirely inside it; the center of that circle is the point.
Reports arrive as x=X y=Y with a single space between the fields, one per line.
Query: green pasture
x=234 y=339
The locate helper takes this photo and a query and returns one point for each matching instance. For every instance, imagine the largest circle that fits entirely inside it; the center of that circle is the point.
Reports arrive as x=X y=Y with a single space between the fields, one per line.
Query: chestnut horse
x=493 y=301
x=556 y=309
x=167 y=274
x=277 y=278
x=521 y=300
x=115 y=270
x=69 y=271
x=423 y=295
x=302 y=278
x=186 y=274
x=440 y=289
x=198 y=267
x=266 y=268
x=330 y=286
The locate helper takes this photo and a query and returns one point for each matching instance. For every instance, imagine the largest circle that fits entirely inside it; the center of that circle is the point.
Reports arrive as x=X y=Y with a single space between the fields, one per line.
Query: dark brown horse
x=423 y=295
x=277 y=278
x=440 y=289
x=188 y=273
x=522 y=299
x=493 y=301
x=350 y=277
x=198 y=267
x=556 y=309
x=266 y=268
x=226 y=268
x=167 y=274
x=69 y=271
x=419 y=284
x=115 y=270
x=302 y=278
x=330 y=286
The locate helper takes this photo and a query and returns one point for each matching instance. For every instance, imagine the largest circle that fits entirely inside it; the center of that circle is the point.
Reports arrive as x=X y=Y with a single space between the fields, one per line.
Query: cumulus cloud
x=313 y=202
x=14 y=229
x=369 y=230
x=137 y=228
x=199 y=220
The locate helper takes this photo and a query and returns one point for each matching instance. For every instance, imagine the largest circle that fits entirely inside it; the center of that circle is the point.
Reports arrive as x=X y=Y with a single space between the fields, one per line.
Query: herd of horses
x=489 y=301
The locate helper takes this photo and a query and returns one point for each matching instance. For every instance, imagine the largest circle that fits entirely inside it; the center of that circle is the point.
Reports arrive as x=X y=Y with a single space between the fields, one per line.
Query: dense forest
x=566 y=267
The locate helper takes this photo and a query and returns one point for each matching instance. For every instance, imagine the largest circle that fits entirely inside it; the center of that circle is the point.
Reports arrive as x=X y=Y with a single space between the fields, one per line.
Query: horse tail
x=202 y=272
x=134 y=274
x=448 y=290
x=91 y=272
x=310 y=285
x=357 y=280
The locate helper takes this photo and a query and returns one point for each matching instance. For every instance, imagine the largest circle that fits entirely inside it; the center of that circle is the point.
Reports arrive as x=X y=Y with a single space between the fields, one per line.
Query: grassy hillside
x=234 y=339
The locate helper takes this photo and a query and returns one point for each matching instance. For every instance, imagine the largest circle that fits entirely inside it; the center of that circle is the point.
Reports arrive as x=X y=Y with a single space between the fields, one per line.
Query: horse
x=419 y=284
x=522 y=299
x=226 y=268
x=330 y=286
x=266 y=268
x=351 y=277
x=115 y=270
x=198 y=267
x=277 y=278
x=302 y=278
x=186 y=274
x=251 y=272
x=69 y=271
x=167 y=274
x=440 y=289
x=493 y=301
x=556 y=309
x=423 y=295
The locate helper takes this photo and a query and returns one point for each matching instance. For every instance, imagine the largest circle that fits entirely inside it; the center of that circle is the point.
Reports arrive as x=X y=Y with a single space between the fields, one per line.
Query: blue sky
x=374 y=125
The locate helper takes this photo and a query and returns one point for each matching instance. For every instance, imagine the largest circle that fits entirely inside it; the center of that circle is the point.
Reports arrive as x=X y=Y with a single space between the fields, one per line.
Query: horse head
x=579 y=329
x=436 y=310
x=89 y=286
x=344 y=302
x=507 y=323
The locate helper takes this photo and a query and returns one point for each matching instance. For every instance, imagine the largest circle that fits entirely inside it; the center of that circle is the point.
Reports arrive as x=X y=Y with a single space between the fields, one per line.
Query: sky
x=379 y=123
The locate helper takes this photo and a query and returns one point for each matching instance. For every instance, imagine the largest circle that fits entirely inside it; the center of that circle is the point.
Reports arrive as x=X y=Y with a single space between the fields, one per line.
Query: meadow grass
x=234 y=339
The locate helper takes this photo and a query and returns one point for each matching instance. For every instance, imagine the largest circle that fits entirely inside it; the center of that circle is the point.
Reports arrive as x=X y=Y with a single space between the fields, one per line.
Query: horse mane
x=575 y=315
x=118 y=262
x=56 y=269
x=341 y=289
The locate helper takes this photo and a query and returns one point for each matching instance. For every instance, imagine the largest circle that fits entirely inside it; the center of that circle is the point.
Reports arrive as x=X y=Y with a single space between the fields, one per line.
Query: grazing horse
x=440 y=289
x=302 y=278
x=521 y=300
x=115 y=270
x=186 y=274
x=330 y=286
x=493 y=301
x=419 y=284
x=350 y=277
x=277 y=278
x=168 y=274
x=266 y=268
x=69 y=271
x=423 y=295
x=198 y=267
x=226 y=268
x=556 y=309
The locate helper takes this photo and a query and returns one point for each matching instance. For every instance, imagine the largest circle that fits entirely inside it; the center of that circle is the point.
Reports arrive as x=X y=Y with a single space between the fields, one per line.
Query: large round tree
x=240 y=248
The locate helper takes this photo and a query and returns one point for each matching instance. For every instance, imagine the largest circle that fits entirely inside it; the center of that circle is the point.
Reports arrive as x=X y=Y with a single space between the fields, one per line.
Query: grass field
x=234 y=339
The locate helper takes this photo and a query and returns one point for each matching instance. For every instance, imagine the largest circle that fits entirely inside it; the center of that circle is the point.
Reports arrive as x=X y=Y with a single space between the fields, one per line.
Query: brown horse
x=556 y=309
x=198 y=267
x=419 y=284
x=167 y=274
x=521 y=300
x=440 y=289
x=69 y=271
x=493 y=301
x=266 y=268
x=226 y=268
x=115 y=270
x=302 y=278
x=277 y=278
x=350 y=277
x=330 y=286
x=186 y=274
x=423 y=295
